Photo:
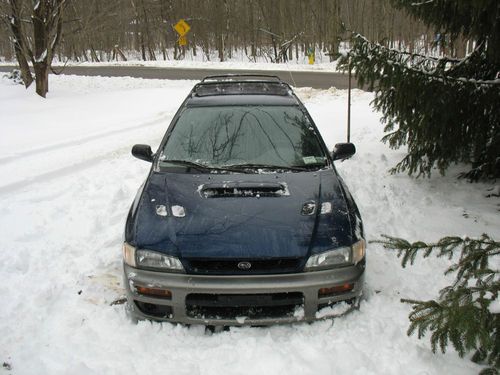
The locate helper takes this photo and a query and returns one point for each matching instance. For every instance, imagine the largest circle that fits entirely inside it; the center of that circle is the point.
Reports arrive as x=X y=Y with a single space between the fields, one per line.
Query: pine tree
x=464 y=314
x=446 y=110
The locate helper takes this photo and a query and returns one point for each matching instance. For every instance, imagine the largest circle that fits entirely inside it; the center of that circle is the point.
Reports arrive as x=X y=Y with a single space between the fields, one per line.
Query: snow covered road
x=67 y=181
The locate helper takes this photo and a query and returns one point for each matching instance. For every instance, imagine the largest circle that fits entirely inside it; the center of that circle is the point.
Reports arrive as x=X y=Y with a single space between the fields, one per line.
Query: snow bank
x=68 y=180
x=239 y=63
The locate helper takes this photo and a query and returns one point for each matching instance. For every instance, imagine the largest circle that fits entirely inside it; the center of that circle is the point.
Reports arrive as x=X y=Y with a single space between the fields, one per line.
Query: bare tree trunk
x=46 y=19
x=221 y=47
x=93 y=54
x=42 y=78
x=118 y=52
x=163 y=51
x=40 y=62
x=193 y=44
x=20 y=47
x=143 y=48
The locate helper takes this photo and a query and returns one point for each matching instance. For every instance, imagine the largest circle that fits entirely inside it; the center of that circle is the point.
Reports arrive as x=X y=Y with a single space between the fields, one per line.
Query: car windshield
x=244 y=137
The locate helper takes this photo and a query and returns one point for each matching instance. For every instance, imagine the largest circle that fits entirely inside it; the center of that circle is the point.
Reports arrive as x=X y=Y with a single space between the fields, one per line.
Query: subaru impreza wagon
x=243 y=219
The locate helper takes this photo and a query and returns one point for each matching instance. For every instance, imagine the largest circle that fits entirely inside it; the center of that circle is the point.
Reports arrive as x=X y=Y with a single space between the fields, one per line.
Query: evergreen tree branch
x=463 y=314
x=435 y=68
x=444 y=112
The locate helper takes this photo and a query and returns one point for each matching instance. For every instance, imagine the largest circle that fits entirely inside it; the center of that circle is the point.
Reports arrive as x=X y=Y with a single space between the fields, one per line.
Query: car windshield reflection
x=243 y=138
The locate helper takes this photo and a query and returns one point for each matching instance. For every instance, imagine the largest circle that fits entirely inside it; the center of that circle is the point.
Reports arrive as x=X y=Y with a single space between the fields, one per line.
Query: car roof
x=241 y=89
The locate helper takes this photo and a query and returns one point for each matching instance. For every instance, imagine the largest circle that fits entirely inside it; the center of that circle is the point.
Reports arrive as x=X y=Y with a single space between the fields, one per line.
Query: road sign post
x=182 y=40
x=310 y=55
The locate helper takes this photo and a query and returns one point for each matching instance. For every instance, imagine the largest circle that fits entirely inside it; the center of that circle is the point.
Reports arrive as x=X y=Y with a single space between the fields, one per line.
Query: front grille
x=230 y=267
x=251 y=306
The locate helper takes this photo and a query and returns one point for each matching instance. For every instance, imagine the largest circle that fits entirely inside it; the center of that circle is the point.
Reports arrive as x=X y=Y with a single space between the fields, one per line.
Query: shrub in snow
x=466 y=313
x=14 y=77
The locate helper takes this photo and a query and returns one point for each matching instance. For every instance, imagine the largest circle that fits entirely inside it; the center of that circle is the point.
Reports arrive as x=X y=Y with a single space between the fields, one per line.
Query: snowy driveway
x=67 y=180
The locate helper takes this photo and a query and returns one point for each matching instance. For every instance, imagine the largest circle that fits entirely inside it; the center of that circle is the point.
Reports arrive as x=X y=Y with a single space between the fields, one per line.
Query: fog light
x=334 y=290
x=163 y=293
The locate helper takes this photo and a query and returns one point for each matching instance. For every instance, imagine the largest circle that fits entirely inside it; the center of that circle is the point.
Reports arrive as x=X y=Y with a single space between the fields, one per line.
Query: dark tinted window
x=231 y=135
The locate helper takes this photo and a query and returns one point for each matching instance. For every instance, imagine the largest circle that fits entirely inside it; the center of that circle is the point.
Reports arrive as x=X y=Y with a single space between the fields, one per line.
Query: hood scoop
x=243 y=190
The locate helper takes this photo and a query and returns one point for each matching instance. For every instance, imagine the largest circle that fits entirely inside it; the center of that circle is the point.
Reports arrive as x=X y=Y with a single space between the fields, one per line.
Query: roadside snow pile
x=235 y=64
x=238 y=62
x=68 y=180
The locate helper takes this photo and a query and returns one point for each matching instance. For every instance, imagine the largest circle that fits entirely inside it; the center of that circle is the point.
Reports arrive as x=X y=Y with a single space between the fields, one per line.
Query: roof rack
x=241 y=84
x=242 y=78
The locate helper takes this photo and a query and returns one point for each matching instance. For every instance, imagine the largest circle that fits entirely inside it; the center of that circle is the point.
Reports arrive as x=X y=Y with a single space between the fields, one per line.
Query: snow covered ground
x=67 y=181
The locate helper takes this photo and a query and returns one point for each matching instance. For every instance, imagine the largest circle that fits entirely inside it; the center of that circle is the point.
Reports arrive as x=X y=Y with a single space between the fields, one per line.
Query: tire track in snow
x=86 y=163
x=80 y=141
x=69 y=169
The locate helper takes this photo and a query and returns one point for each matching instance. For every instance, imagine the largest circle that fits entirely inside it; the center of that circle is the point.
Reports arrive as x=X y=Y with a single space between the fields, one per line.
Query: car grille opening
x=153 y=309
x=251 y=306
x=350 y=302
x=230 y=267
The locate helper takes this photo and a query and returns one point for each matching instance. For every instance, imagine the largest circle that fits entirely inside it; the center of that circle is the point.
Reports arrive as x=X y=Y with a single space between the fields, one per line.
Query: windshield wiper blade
x=199 y=166
x=315 y=165
x=265 y=166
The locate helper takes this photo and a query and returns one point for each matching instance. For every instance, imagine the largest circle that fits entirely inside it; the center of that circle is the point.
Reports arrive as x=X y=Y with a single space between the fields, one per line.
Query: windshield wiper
x=265 y=166
x=316 y=165
x=201 y=167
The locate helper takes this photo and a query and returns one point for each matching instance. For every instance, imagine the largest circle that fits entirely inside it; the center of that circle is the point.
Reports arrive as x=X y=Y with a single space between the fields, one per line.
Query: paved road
x=319 y=80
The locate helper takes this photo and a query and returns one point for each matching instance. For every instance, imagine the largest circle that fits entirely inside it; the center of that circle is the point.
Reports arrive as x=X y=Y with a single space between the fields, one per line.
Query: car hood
x=242 y=216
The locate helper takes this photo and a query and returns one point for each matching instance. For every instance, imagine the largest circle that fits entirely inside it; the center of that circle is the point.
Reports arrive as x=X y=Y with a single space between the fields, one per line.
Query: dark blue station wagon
x=243 y=219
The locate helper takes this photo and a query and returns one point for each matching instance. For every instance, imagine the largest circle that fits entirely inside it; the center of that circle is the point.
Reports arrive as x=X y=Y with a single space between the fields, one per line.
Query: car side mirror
x=143 y=152
x=343 y=151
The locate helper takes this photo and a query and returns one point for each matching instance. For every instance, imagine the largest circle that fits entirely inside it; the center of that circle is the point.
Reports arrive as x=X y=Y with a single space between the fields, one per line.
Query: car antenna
x=349 y=103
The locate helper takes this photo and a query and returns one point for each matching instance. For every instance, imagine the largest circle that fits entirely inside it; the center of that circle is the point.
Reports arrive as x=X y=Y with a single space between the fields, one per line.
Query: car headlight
x=150 y=259
x=337 y=257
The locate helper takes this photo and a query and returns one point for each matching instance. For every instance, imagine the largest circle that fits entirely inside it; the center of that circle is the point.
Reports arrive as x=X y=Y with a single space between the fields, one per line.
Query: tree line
x=273 y=30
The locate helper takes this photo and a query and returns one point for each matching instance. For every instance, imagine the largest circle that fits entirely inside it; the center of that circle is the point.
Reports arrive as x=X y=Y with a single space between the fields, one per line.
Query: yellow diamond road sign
x=182 y=28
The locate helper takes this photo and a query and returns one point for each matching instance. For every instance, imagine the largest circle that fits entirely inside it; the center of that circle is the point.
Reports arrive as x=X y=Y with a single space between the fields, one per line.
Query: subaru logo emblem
x=244 y=265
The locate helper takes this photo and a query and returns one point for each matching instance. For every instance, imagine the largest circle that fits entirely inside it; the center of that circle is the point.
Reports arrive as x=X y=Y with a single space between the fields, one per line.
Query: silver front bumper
x=182 y=285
